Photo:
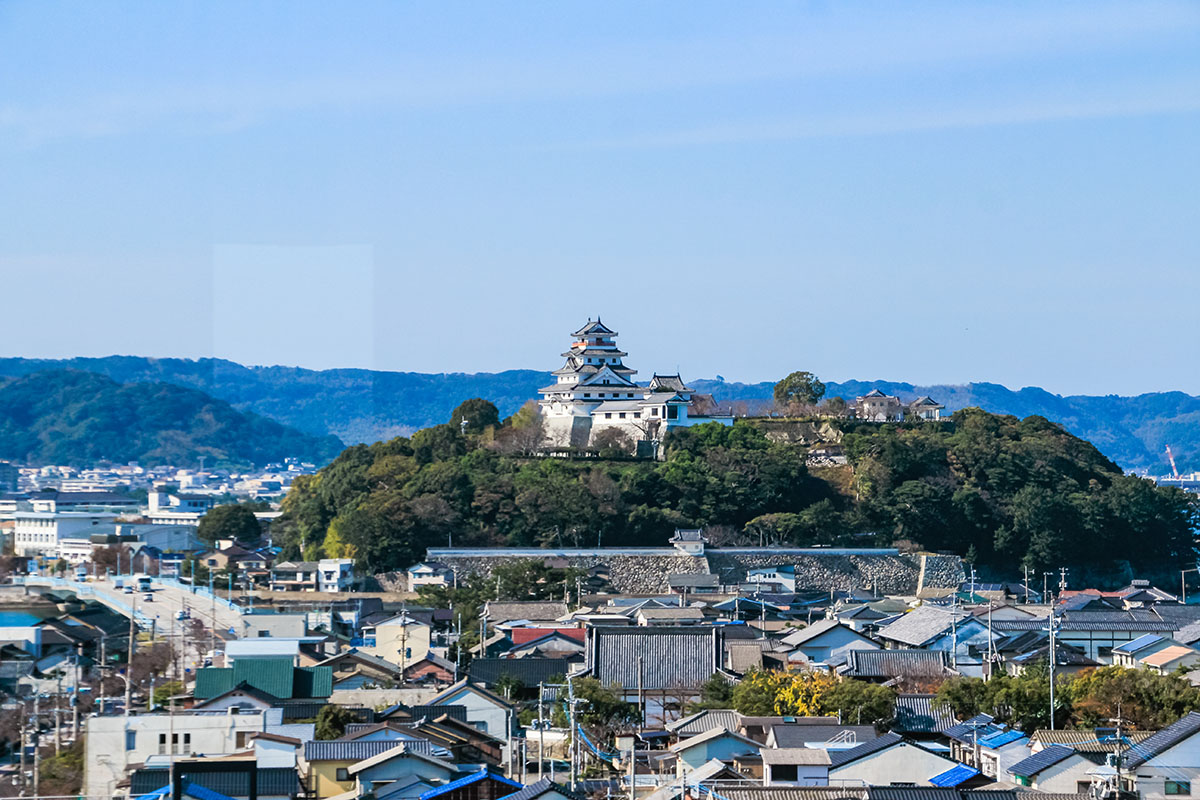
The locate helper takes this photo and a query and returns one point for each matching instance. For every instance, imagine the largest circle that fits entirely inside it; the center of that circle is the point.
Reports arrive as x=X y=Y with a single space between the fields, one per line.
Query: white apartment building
x=115 y=742
x=38 y=533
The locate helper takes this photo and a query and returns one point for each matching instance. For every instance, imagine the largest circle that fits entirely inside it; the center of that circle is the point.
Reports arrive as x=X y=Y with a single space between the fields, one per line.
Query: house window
x=783 y=772
x=1177 y=787
x=162 y=744
x=587 y=394
x=130 y=740
x=342 y=775
x=621 y=415
x=608 y=415
x=654 y=412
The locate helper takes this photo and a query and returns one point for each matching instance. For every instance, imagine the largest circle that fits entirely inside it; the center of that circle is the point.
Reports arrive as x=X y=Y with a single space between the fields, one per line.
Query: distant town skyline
x=931 y=193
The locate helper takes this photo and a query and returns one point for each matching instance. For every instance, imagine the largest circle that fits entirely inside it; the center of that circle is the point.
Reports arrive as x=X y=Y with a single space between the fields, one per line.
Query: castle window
x=608 y=415
x=622 y=415
x=587 y=394
x=654 y=412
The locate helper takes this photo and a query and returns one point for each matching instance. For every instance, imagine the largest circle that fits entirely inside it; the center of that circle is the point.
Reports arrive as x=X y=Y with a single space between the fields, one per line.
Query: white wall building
x=594 y=391
x=38 y=533
x=113 y=743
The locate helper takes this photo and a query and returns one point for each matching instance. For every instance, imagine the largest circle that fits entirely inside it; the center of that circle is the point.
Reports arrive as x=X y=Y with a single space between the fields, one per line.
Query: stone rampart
x=646 y=570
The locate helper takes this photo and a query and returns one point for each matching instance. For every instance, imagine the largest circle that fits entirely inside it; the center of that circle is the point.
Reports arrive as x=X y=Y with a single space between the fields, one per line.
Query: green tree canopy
x=799 y=387
x=234 y=521
x=478 y=413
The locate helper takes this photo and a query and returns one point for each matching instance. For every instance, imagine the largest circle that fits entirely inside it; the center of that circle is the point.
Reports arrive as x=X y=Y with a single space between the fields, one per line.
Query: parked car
x=148 y=597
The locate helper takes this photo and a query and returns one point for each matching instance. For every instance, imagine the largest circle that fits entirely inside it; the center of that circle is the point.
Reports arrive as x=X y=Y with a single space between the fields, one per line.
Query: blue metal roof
x=960 y=773
x=467 y=781
x=1138 y=643
x=1001 y=739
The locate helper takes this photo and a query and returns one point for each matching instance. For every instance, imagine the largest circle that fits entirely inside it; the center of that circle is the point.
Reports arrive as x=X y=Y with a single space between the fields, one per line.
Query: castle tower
x=593 y=373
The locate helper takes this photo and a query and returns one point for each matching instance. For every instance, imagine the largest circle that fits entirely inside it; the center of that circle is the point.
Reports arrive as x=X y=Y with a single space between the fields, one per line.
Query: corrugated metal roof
x=893 y=663
x=357 y=750
x=276 y=676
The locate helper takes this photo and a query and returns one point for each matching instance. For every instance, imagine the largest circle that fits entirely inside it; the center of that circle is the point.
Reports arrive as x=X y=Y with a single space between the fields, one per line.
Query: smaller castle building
x=594 y=392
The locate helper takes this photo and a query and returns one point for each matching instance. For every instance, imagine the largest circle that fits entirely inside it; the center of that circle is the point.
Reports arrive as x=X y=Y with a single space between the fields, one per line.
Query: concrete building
x=115 y=742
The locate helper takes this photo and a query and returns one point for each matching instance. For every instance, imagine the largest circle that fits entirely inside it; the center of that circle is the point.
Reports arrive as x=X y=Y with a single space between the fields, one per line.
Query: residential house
x=795 y=766
x=783 y=576
x=694 y=583
x=233 y=782
x=886 y=760
x=717 y=742
x=113 y=743
x=1128 y=654
x=883 y=666
x=670 y=615
x=544 y=789
x=1169 y=659
x=326 y=765
x=519 y=677
x=664 y=667
x=327 y=575
x=492 y=713
x=403 y=639
x=276 y=676
x=1167 y=763
x=482 y=785
x=355 y=669
x=1097 y=631
x=429 y=573
x=563 y=643
x=916 y=717
x=1055 y=769
x=965 y=638
x=431 y=670
x=530 y=612
x=825 y=642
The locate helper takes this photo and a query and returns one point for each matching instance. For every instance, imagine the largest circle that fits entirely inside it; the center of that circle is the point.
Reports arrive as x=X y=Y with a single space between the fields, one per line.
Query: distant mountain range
x=79 y=418
x=359 y=405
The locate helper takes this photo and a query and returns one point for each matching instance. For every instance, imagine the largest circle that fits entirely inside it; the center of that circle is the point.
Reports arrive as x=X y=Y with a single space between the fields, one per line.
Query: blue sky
x=925 y=192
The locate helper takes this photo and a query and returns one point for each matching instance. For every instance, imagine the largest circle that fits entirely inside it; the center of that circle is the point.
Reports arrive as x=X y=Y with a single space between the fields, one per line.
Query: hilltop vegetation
x=79 y=418
x=1001 y=491
x=359 y=405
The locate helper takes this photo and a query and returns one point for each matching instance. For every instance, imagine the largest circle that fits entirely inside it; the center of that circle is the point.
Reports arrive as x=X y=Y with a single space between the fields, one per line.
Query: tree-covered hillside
x=69 y=417
x=1003 y=491
x=360 y=405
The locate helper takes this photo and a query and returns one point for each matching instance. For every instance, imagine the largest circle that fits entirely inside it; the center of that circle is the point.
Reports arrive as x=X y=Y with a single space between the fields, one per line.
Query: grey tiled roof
x=893 y=663
x=352 y=750
x=914 y=713
x=529 y=671
x=839 y=758
x=701 y=721
x=523 y=609
x=1164 y=740
x=798 y=735
x=1042 y=759
x=539 y=788
x=669 y=657
x=921 y=625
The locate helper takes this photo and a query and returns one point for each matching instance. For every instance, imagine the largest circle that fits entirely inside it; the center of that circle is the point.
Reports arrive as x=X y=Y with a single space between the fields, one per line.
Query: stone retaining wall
x=885 y=572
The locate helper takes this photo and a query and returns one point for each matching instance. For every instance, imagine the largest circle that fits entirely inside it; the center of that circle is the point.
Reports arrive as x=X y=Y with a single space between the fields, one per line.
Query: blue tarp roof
x=193 y=790
x=467 y=781
x=952 y=777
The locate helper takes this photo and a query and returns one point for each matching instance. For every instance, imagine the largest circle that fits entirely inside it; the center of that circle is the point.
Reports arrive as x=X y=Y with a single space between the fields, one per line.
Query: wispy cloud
x=876 y=41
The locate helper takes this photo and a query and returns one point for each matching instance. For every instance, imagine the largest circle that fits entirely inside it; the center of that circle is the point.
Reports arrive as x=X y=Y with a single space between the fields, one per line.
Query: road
x=169 y=600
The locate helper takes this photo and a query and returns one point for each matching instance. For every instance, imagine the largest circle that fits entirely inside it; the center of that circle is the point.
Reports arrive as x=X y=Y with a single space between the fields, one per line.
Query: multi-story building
x=594 y=392
x=326 y=575
x=38 y=533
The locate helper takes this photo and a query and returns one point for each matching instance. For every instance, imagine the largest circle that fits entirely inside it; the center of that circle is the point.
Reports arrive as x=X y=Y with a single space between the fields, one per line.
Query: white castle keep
x=594 y=391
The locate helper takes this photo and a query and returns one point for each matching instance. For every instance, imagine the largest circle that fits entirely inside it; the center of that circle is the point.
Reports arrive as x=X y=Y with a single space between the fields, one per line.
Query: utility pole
x=24 y=745
x=58 y=715
x=1026 y=584
x=75 y=699
x=37 y=742
x=129 y=657
x=541 y=729
x=1053 y=662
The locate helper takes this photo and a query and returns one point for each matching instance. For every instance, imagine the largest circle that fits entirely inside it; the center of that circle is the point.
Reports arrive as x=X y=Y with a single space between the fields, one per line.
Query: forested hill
x=1001 y=491
x=364 y=405
x=79 y=418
